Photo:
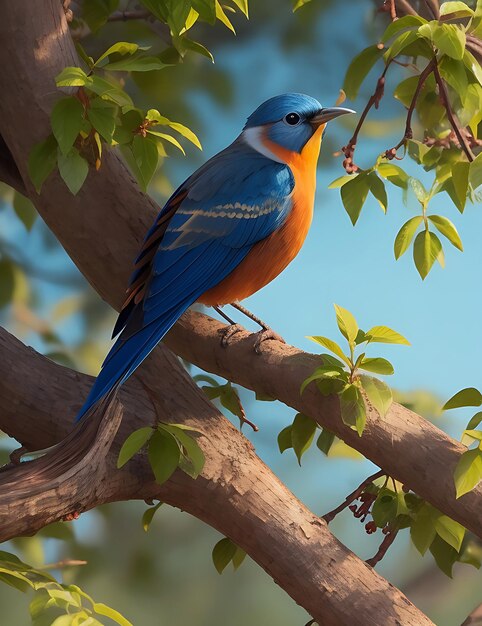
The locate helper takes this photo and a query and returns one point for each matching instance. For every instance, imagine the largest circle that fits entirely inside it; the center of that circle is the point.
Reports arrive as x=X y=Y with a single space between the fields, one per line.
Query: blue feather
x=205 y=239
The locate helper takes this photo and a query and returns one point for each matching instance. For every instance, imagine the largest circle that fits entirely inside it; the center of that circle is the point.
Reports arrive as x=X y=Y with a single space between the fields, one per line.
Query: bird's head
x=288 y=121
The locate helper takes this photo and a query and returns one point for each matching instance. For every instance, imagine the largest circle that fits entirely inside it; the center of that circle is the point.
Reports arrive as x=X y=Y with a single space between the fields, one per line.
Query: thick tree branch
x=101 y=227
x=236 y=493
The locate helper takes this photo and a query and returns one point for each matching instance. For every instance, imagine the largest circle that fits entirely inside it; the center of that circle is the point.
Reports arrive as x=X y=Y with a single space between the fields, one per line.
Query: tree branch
x=236 y=493
x=101 y=228
x=451 y=115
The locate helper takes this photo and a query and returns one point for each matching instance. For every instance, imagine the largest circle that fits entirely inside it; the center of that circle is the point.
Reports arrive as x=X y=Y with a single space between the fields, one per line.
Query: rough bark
x=236 y=493
x=101 y=227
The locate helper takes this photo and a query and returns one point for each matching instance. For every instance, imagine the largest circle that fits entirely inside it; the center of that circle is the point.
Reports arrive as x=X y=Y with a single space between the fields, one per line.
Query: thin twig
x=374 y=100
x=405 y=8
x=124 y=16
x=408 y=134
x=451 y=115
x=382 y=550
x=433 y=7
x=393 y=10
x=352 y=496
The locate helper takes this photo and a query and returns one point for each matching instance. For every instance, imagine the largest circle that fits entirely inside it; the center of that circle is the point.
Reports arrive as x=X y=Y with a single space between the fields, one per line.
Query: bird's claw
x=265 y=335
x=228 y=333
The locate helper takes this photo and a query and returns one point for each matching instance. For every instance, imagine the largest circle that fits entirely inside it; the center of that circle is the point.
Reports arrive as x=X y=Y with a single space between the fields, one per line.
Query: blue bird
x=225 y=233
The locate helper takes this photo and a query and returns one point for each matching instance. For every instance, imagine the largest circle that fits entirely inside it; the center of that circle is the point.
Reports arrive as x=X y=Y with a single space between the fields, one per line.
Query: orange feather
x=269 y=257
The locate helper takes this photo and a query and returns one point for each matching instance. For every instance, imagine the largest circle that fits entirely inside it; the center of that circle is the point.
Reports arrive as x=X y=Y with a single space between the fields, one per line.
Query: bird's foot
x=228 y=333
x=265 y=335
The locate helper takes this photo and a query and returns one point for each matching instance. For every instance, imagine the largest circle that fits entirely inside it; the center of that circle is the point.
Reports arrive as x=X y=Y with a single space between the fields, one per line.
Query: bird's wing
x=204 y=231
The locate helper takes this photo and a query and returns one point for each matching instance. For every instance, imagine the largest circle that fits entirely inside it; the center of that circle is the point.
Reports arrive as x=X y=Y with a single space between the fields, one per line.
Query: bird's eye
x=292 y=119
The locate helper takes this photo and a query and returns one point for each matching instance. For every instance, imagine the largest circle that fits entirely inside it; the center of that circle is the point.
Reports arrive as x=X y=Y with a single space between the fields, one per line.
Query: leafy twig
x=352 y=496
x=382 y=550
x=451 y=115
x=391 y=153
x=124 y=16
x=349 y=149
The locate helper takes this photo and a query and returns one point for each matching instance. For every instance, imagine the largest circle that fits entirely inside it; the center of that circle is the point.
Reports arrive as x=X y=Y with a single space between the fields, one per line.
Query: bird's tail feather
x=125 y=357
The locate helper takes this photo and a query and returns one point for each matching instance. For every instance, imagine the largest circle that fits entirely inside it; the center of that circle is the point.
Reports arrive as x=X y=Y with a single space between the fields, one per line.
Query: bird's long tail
x=126 y=355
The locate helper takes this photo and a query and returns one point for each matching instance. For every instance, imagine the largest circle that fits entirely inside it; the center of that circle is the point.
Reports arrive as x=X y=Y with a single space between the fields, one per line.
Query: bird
x=226 y=232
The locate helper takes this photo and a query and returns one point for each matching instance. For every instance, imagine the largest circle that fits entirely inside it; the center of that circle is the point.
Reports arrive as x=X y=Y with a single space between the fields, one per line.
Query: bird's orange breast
x=269 y=257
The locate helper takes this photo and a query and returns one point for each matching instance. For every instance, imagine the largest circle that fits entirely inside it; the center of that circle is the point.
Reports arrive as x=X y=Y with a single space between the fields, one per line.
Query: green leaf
x=223 y=18
x=164 y=455
x=284 y=439
x=109 y=91
x=107 y=611
x=384 y=508
x=458 y=9
x=394 y=174
x=238 y=557
x=223 y=553
x=102 y=117
x=444 y=555
x=450 y=531
x=42 y=161
x=403 y=23
x=7 y=281
x=378 y=393
x=148 y=515
x=422 y=529
x=448 y=38
x=325 y=441
x=468 y=472
x=418 y=189
x=377 y=365
x=330 y=345
x=302 y=433
x=73 y=169
x=24 y=210
x=186 y=132
x=460 y=181
x=299 y=4
x=473 y=66
x=66 y=119
x=121 y=47
x=340 y=181
x=453 y=72
x=353 y=195
x=168 y=138
x=405 y=235
x=352 y=406
x=475 y=420
x=475 y=171
x=383 y=334
x=403 y=40
x=72 y=77
x=134 y=442
x=426 y=249
x=359 y=68
x=146 y=156
x=346 y=323
x=243 y=6
x=207 y=10
x=377 y=188
x=184 y=44
x=466 y=397
x=190 y=446
x=323 y=372
x=447 y=229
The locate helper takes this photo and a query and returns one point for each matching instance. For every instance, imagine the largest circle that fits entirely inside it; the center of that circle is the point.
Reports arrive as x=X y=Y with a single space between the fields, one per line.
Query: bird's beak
x=325 y=115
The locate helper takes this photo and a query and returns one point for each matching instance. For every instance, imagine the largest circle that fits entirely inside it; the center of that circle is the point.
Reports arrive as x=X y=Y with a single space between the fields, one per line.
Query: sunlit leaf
x=378 y=393
x=468 y=472
x=466 y=397
x=445 y=226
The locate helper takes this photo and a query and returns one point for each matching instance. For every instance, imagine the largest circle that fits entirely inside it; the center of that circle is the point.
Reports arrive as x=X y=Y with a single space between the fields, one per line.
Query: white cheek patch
x=254 y=138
